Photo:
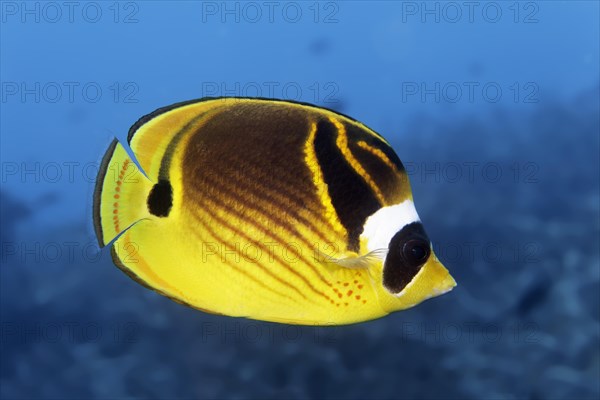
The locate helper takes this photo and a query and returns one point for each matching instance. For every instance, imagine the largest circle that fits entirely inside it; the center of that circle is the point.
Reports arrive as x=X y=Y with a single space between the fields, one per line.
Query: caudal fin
x=120 y=196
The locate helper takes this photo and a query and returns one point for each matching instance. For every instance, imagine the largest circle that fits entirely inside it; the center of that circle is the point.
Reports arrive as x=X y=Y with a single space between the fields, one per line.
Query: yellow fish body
x=266 y=209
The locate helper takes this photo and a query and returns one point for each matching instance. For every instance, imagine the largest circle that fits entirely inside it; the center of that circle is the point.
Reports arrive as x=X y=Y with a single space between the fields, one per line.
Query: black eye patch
x=409 y=249
x=160 y=199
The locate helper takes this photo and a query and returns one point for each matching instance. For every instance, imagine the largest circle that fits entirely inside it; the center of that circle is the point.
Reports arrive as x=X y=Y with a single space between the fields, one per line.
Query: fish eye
x=409 y=250
x=416 y=251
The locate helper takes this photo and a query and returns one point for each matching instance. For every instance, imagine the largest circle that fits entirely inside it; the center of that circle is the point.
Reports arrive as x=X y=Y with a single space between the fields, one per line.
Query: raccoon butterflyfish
x=266 y=209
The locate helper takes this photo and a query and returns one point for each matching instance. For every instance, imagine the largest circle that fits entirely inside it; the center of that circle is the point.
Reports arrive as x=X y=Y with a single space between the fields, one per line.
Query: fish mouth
x=442 y=281
x=445 y=286
x=432 y=280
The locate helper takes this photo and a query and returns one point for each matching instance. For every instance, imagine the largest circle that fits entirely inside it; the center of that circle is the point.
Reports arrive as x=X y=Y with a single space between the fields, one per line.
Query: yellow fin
x=120 y=194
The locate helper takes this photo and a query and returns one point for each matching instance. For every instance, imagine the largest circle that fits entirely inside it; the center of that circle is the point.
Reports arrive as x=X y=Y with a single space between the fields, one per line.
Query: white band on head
x=386 y=222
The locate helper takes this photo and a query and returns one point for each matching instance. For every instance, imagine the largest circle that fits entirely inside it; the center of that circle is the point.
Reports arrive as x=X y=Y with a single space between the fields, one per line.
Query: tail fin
x=120 y=195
